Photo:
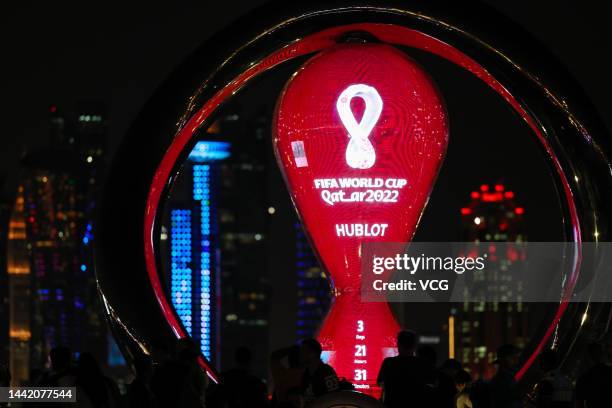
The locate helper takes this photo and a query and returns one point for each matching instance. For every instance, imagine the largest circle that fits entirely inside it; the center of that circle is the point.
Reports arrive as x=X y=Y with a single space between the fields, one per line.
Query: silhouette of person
x=594 y=387
x=294 y=399
x=194 y=390
x=462 y=382
x=402 y=377
x=139 y=391
x=61 y=372
x=93 y=388
x=5 y=380
x=240 y=388
x=428 y=356
x=319 y=378
x=286 y=377
x=503 y=387
x=446 y=389
x=553 y=390
x=5 y=376
x=179 y=381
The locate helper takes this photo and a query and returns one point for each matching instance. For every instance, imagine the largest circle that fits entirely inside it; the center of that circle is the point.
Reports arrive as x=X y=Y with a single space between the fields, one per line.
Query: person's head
x=36 y=375
x=60 y=358
x=5 y=376
x=143 y=365
x=160 y=350
x=508 y=356
x=450 y=367
x=462 y=379
x=89 y=376
x=294 y=399
x=87 y=367
x=310 y=351
x=548 y=360
x=243 y=357
x=428 y=354
x=187 y=349
x=406 y=342
x=596 y=353
x=293 y=357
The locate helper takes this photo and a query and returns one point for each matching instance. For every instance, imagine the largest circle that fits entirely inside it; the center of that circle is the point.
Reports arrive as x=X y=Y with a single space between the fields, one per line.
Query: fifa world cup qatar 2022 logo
x=360 y=133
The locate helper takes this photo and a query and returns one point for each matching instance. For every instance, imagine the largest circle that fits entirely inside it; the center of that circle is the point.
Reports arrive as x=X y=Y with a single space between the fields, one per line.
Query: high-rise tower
x=492 y=215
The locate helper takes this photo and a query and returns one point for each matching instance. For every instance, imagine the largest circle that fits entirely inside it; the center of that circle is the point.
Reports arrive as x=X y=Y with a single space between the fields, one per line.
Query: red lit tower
x=492 y=215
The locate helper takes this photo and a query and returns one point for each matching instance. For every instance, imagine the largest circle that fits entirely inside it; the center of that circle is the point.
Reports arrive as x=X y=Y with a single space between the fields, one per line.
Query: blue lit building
x=194 y=254
x=313 y=292
x=181 y=260
x=214 y=241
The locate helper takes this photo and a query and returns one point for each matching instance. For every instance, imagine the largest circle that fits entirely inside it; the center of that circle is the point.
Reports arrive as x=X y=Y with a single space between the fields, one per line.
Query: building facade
x=314 y=291
x=49 y=252
x=215 y=233
x=19 y=284
x=479 y=328
x=222 y=256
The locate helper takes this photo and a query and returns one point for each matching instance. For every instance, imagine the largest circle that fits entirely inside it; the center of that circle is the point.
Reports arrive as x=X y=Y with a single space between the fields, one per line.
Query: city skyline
x=172 y=201
x=253 y=150
x=53 y=297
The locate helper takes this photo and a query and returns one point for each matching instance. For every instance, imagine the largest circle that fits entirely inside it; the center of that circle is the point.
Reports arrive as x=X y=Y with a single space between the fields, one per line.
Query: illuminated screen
x=181 y=257
x=360 y=134
x=201 y=192
x=192 y=247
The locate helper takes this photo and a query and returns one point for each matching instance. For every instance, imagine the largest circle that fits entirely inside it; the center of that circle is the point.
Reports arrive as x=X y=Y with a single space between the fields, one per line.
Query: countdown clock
x=360 y=132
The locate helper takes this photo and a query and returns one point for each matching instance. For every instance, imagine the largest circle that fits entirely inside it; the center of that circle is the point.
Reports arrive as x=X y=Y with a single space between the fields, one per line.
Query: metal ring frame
x=508 y=59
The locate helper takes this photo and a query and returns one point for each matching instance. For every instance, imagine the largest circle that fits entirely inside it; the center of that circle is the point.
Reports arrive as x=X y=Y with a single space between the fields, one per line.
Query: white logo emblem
x=360 y=153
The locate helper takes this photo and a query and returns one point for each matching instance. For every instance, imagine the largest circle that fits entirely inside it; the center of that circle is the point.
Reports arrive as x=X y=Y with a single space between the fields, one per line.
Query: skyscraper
x=4 y=295
x=246 y=249
x=215 y=232
x=52 y=217
x=221 y=259
x=91 y=128
x=492 y=215
x=19 y=282
x=314 y=292
x=194 y=247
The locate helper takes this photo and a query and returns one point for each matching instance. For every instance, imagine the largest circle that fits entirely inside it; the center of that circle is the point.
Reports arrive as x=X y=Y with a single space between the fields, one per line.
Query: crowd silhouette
x=298 y=376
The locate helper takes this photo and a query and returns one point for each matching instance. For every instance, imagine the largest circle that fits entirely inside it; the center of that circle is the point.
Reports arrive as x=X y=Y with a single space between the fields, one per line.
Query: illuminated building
x=480 y=328
x=215 y=233
x=314 y=294
x=245 y=240
x=194 y=264
x=181 y=272
x=5 y=208
x=18 y=268
x=58 y=184
x=91 y=129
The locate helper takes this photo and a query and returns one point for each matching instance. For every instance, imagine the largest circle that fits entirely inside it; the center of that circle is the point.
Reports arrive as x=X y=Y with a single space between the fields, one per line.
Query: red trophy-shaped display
x=360 y=133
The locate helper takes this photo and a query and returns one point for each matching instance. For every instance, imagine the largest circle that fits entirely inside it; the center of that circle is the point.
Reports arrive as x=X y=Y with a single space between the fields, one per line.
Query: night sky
x=60 y=53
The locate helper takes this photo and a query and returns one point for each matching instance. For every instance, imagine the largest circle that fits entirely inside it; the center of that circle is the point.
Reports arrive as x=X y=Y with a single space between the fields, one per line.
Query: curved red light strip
x=387 y=33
